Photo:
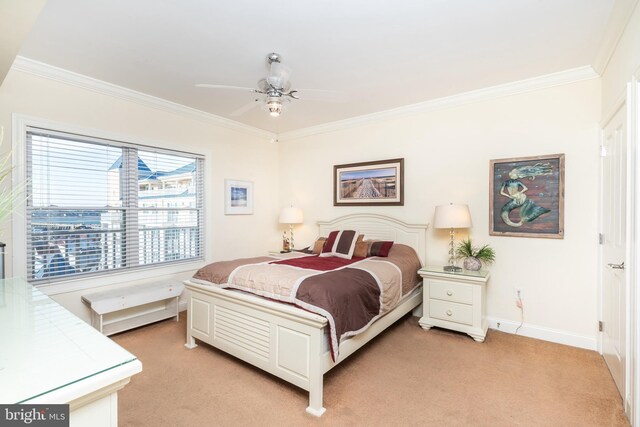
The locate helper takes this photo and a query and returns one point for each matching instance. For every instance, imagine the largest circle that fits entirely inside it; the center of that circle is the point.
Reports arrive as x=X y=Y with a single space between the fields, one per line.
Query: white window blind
x=97 y=206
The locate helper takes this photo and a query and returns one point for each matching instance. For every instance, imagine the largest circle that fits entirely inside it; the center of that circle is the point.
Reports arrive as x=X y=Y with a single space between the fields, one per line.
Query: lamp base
x=451 y=268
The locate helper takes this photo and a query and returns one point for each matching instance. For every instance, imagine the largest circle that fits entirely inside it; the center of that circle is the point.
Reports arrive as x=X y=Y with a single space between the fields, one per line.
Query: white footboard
x=282 y=340
x=277 y=338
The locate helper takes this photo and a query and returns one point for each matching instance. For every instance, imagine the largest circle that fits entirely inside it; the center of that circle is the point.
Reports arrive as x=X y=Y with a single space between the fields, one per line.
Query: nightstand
x=286 y=255
x=455 y=300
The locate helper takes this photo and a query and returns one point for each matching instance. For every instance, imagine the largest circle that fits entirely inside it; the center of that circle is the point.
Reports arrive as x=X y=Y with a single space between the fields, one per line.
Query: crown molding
x=616 y=25
x=68 y=77
x=61 y=75
x=527 y=85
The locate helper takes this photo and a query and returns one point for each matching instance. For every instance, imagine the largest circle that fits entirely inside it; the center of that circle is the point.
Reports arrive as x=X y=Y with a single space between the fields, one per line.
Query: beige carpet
x=405 y=377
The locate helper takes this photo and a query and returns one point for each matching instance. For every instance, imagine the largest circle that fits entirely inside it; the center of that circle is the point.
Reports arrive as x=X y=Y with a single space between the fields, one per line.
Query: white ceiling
x=381 y=54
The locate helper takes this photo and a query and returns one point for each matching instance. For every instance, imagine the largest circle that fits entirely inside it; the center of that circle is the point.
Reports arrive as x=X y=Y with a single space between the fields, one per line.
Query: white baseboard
x=546 y=334
x=182 y=305
x=527 y=330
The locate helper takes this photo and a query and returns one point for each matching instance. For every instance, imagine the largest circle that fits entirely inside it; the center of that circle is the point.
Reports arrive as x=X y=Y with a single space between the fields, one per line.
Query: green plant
x=485 y=254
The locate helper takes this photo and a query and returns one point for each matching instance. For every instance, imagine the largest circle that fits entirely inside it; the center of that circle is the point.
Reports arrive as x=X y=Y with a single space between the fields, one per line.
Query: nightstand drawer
x=448 y=291
x=451 y=311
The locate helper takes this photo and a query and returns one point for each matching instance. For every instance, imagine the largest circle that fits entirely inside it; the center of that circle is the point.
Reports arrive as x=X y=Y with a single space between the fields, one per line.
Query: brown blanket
x=351 y=294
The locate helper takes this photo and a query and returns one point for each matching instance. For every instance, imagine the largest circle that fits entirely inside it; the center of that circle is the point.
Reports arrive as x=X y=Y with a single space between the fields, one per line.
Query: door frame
x=632 y=407
x=629 y=100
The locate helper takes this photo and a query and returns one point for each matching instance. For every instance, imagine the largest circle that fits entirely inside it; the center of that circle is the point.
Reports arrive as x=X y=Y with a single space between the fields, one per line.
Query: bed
x=286 y=341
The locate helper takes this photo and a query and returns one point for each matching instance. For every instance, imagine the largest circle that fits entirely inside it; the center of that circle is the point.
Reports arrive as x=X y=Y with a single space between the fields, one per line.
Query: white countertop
x=45 y=348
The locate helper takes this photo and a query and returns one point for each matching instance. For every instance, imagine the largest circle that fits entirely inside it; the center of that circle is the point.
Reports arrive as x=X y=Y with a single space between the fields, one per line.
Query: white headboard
x=381 y=227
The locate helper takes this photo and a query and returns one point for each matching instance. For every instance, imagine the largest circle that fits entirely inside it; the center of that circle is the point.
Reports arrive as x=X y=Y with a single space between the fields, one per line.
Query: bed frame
x=284 y=340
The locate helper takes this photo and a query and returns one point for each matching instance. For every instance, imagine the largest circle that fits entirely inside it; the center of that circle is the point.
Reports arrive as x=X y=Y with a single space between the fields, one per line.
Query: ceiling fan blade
x=322 y=95
x=278 y=75
x=240 y=111
x=224 y=87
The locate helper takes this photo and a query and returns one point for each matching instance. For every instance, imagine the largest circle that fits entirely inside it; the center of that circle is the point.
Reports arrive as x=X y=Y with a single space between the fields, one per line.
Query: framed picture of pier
x=238 y=197
x=378 y=183
x=526 y=197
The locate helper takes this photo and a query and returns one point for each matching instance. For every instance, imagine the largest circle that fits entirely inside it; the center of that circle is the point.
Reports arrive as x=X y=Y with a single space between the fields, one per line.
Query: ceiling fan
x=275 y=89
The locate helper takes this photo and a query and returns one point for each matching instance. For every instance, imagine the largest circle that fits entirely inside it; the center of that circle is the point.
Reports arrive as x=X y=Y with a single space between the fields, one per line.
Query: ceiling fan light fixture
x=274 y=106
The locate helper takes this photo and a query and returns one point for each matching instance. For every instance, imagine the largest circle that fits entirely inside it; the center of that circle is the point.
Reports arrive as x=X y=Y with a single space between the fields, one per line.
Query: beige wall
x=229 y=154
x=447 y=155
x=624 y=63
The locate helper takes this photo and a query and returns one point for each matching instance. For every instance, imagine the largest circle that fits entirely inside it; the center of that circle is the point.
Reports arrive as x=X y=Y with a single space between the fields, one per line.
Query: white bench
x=115 y=310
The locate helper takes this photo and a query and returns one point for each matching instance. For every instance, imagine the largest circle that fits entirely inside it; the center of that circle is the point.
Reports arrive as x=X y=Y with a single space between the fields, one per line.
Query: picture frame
x=238 y=197
x=376 y=183
x=526 y=197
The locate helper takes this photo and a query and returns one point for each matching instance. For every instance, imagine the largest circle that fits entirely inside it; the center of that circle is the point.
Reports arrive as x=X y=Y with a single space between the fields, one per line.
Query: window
x=97 y=206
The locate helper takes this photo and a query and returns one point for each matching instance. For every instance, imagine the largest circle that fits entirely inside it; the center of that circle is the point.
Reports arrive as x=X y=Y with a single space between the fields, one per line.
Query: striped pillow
x=340 y=244
x=368 y=248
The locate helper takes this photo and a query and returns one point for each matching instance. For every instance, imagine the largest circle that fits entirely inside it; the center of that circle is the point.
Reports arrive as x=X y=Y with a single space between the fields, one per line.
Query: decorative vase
x=472 y=263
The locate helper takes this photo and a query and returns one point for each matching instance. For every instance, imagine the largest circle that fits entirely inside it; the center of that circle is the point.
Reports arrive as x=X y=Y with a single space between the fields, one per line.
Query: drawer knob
x=449 y=313
x=449 y=293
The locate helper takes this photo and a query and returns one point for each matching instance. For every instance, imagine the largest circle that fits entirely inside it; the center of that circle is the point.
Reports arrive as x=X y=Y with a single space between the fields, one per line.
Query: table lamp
x=291 y=216
x=452 y=216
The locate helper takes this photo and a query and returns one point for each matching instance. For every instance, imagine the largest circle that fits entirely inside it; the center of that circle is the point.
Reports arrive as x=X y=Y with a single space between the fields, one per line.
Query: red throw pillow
x=380 y=248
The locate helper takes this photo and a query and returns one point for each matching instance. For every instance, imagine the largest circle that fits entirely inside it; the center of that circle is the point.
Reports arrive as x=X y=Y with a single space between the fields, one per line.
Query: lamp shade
x=451 y=216
x=291 y=216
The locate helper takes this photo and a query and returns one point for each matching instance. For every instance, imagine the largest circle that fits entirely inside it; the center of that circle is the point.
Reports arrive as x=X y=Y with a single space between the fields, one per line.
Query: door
x=614 y=246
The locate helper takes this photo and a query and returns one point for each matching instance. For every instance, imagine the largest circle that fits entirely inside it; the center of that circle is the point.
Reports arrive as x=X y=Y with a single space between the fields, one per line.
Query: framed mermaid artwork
x=526 y=197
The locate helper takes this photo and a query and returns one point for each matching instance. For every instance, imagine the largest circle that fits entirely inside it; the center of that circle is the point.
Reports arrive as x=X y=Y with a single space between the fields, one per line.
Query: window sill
x=112 y=278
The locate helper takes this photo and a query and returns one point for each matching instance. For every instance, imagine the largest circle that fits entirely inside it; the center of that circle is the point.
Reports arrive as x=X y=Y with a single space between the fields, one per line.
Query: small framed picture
x=378 y=183
x=526 y=197
x=238 y=197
